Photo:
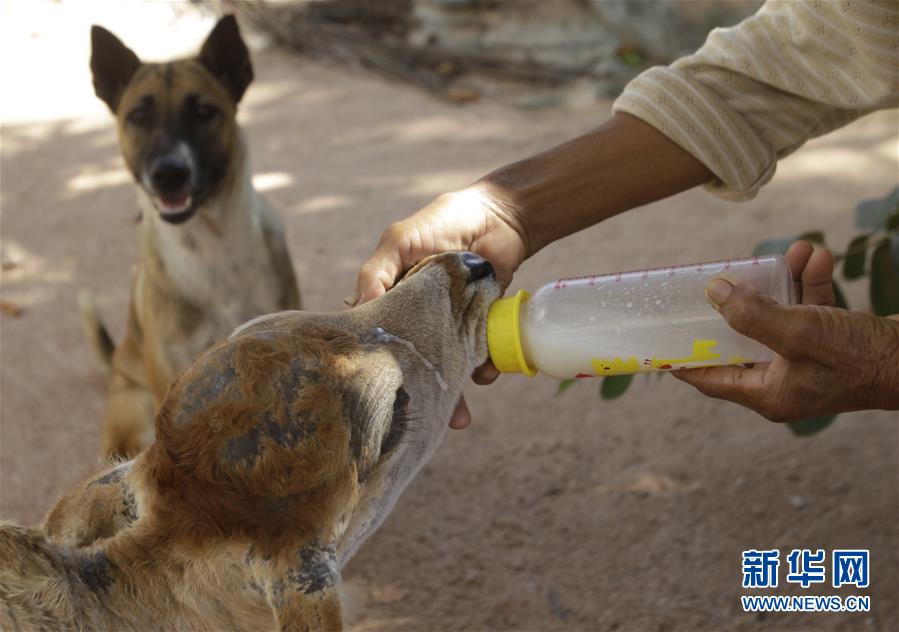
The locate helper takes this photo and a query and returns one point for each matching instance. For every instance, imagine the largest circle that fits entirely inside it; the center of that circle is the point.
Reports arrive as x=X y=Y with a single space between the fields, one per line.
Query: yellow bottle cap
x=504 y=334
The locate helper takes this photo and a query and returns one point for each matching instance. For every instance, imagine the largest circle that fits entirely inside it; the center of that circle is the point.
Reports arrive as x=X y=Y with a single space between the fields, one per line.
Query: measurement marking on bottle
x=707 y=266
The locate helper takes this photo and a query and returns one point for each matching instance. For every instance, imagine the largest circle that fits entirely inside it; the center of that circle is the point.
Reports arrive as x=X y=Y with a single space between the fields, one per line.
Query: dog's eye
x=204 y=112
x=398 y=422
x=141 y=115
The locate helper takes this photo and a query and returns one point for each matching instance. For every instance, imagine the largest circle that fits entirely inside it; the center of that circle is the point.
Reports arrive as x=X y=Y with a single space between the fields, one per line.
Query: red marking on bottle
x=670 y=270
x=665 y=366
x=582 y=375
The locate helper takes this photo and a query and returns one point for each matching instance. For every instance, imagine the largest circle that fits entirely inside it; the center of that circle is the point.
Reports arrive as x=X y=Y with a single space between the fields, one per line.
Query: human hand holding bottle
x=828 y=360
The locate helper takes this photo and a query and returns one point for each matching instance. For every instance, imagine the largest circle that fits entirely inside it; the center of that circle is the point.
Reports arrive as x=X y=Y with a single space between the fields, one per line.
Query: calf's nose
x=478 y=267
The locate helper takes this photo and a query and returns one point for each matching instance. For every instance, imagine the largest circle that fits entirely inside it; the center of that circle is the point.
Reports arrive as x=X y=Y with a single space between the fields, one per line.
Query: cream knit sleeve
x=757 y=91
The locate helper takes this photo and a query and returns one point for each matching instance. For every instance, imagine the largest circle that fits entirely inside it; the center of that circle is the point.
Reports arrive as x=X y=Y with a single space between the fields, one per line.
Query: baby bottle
x=629 y=322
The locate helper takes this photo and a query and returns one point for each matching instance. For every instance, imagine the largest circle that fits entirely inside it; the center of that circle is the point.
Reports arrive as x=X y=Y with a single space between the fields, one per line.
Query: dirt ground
x=548 y=513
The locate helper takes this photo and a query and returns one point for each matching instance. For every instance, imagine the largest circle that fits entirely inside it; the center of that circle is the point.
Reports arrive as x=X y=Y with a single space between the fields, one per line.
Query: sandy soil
x=550 y=512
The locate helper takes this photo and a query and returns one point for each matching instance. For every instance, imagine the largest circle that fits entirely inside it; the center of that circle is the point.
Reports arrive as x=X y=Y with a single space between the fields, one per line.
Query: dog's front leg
x=128 y=420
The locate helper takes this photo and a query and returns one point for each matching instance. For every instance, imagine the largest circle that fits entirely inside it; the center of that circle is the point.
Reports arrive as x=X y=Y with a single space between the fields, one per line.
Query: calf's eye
x=399 y=421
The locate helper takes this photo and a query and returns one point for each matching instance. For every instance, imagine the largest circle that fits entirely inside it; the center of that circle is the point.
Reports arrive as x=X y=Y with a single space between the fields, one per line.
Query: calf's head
x=300 y=431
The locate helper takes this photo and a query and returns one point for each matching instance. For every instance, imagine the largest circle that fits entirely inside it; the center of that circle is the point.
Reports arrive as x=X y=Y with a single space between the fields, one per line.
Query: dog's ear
x=112 y=65
x=226 y=56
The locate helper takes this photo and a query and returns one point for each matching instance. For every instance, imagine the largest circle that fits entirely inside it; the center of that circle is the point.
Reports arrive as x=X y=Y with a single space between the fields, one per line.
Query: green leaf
x=564 y=385
x=839 y=298
x=814 y=236
x=893 y=221
x=856 y=255
x=874 y=214
x=884 y=280
x=632 y=58
x=777 y=246
x=894 y=251
x=613 y=386
x=810 y=426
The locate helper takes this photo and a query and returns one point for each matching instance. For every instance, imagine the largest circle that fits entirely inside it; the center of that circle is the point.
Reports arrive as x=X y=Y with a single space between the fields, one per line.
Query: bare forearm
x=623 y=164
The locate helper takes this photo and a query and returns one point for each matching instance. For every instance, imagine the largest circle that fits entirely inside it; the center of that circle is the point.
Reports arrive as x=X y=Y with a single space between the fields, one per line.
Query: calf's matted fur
x=277 y=453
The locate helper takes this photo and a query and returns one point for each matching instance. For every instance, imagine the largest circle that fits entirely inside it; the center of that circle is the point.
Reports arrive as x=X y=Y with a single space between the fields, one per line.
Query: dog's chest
x=221 y=278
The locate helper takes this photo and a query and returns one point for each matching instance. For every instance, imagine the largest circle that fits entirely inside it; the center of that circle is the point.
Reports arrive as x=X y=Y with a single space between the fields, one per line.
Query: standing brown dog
x=212 y=250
